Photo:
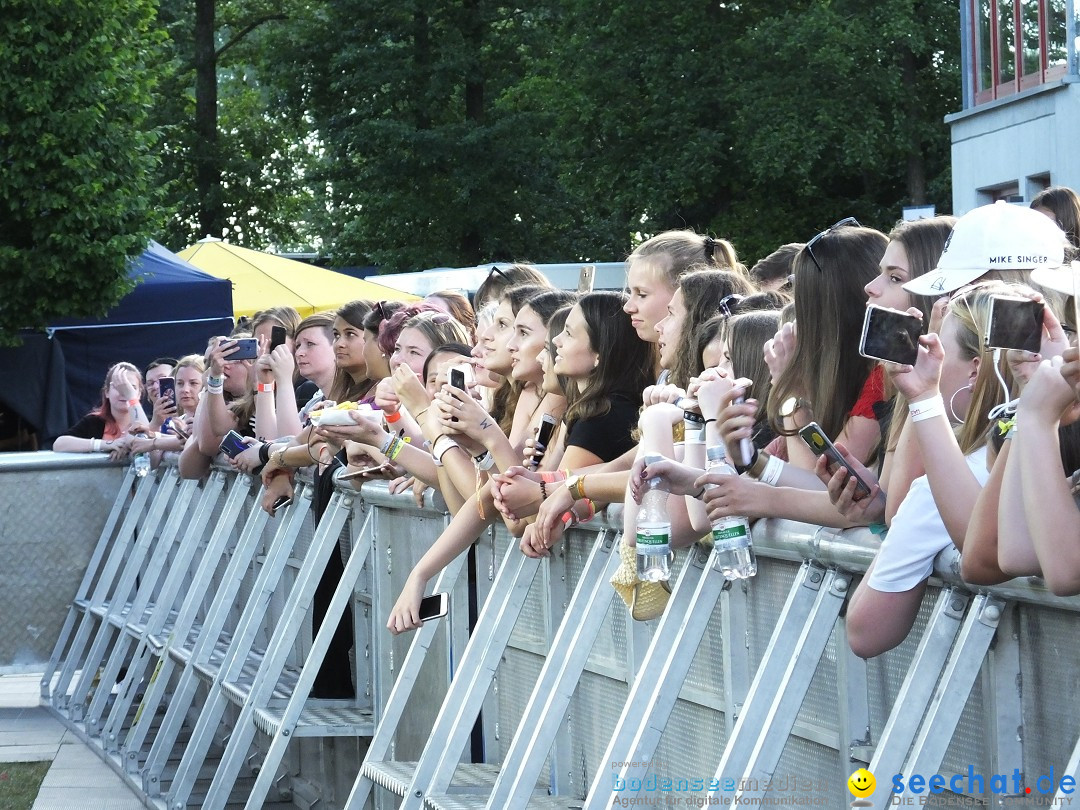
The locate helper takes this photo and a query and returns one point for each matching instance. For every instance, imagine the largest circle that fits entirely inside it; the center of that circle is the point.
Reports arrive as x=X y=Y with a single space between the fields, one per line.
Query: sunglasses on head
x=729 y=304
x=846 y=222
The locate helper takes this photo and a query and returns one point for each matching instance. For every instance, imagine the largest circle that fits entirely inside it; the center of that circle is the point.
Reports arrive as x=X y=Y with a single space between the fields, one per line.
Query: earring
x=952 y=411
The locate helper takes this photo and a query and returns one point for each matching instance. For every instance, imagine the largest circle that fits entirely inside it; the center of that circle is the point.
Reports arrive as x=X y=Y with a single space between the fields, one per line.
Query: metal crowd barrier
x=186 y=659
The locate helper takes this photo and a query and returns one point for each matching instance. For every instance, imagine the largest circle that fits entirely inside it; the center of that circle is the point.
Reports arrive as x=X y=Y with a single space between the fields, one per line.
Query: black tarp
x=173 y=310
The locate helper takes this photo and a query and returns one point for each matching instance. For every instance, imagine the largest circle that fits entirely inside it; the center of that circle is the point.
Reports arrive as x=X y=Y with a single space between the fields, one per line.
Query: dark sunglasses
x=846 y=222
x=381 y=309
x=496 y=271
x=729 y=304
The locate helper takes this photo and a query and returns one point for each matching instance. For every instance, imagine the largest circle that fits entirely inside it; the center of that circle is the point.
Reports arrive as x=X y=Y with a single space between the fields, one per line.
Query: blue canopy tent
x=173 y=310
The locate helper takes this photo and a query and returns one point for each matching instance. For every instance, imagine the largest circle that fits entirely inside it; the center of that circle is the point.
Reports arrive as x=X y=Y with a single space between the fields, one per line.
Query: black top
x=607 y=436
x=90 y=426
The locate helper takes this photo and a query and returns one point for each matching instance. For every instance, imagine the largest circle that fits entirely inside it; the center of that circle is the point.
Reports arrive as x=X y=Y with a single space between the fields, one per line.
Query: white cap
x=1001 y=236
x=1064 y=279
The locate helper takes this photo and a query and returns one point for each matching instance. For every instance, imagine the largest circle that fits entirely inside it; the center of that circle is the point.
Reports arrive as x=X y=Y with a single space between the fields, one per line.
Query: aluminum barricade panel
x=1049 y=673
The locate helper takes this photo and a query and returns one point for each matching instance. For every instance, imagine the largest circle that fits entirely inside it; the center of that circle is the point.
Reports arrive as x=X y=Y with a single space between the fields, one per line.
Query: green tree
x=77 y=198
x=233 y=159
x=432 y=155
x=837 y=110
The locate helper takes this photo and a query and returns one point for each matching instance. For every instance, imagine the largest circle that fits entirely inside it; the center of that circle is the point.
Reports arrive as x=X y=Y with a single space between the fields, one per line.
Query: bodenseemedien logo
x=862 y=785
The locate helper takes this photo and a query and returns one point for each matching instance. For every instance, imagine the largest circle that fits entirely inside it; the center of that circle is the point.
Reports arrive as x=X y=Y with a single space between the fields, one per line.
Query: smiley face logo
x=861 y=783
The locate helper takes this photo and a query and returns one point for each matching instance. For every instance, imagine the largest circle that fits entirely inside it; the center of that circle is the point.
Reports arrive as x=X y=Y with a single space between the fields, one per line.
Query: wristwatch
x=576 y=486
x=792 y=404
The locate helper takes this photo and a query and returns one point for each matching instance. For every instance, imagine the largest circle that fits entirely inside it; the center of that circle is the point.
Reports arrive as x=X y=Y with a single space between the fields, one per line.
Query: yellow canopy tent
x=262 y=280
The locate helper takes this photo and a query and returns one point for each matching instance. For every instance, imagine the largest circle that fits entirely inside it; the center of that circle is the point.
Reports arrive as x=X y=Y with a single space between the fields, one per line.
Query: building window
x=1018 y=44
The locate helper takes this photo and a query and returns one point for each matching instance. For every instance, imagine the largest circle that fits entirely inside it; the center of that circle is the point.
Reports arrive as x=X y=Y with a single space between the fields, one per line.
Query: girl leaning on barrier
x=1026 y=519
x=598 y=352
x=950 y=391
x=106 y=428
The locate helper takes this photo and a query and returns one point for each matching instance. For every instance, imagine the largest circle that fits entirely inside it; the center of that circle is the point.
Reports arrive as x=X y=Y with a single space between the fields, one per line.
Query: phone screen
x=434 y=606
x=1015 y=323
x=890 y=335
x=282 y=502
x=167 y=389
x=457 y=378
x=277 y=336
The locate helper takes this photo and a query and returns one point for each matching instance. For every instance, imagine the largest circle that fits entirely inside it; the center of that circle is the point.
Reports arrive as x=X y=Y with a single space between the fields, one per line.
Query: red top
x=873 y=391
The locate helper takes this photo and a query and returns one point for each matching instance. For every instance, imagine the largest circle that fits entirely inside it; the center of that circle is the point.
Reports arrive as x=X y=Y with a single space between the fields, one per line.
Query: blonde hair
x=195 y=361
x=673 y=254
x=972 y=311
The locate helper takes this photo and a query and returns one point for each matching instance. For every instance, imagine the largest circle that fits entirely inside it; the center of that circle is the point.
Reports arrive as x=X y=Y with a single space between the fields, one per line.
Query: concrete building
x=1019 y=130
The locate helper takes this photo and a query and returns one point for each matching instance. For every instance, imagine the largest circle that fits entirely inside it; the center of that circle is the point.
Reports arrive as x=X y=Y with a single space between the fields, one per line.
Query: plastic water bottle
x=141 y=463
x=732 y=544
x=653 y=530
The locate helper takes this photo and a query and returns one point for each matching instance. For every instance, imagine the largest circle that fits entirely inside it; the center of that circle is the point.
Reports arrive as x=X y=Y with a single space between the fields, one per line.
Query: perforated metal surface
x=1050 y=676
x=689 y=749
x=45 y=550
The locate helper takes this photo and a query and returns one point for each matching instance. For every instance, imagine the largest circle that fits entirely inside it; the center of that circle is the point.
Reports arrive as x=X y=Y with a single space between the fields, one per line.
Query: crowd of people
x=536 y=406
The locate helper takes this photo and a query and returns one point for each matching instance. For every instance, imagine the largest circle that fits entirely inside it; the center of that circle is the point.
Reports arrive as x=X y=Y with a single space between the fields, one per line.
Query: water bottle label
x=731 y=537
x=652 y=537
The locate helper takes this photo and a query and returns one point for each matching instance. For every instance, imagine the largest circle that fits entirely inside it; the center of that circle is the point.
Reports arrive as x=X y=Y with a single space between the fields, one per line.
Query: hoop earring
x=952 y=411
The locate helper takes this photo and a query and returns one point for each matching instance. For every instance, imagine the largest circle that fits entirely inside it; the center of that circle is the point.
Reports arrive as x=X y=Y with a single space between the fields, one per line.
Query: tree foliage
x=428 y=133
x=77 y=198
x=235 y=165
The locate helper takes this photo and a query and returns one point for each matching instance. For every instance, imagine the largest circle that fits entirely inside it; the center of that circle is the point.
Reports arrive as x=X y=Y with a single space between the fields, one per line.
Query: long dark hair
x=345 y=388
x=625 y=364
x=830 y=301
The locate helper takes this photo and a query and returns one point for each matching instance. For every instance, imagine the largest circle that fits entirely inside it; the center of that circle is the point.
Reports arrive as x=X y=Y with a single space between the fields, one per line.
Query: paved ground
x=78 y=778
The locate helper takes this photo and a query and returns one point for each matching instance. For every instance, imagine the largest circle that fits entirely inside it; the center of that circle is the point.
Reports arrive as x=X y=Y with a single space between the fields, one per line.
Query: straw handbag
x=646 y=600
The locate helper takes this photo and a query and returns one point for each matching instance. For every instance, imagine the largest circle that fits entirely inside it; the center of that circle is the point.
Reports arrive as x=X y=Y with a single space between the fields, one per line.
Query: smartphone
x=815 y=437
x=1015 y=323
x=547 y=427
x=890 y=335
x=746 y=446
x=233 y=444
x=246 y=349
x=277 y=336
x=348 y=476
x=435 y=606
x=586 y=278
x=461 y=374
x=166 y=387
x=281 y=503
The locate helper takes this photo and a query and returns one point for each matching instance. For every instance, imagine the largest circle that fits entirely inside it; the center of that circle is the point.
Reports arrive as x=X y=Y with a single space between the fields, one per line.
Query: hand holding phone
x=890 y=335
x=816 y=439
x=547 y=427
x=245 y=349
x=233 y=444
x=167 y=389
x=435 y=606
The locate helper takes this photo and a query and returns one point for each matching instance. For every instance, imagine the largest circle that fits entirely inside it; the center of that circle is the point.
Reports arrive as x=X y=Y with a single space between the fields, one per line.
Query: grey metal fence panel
x=820 y=747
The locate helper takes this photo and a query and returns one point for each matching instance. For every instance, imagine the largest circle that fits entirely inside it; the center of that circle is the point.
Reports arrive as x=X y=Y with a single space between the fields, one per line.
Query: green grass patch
x=20 y=782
